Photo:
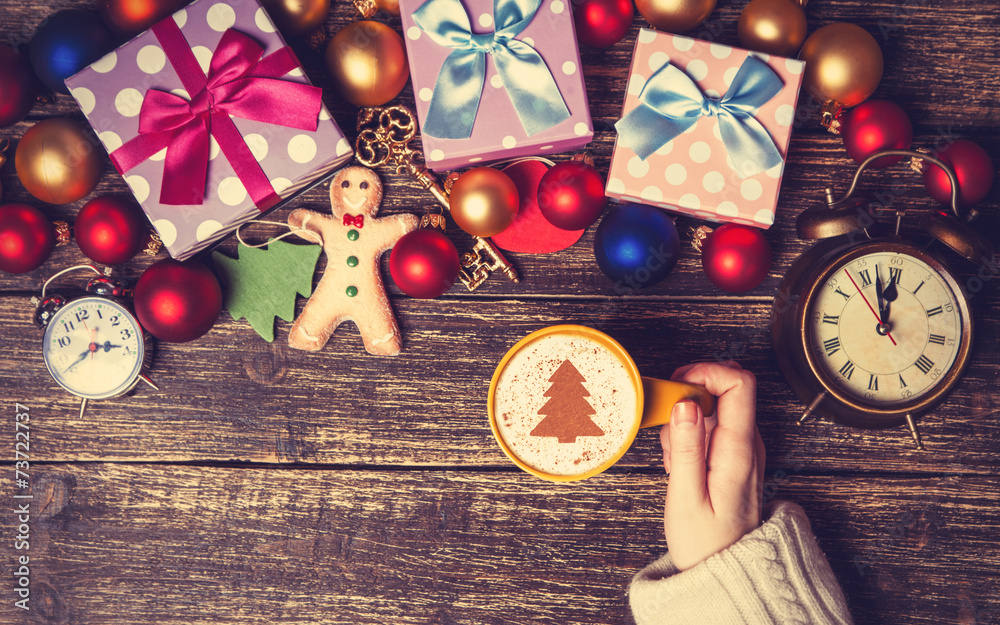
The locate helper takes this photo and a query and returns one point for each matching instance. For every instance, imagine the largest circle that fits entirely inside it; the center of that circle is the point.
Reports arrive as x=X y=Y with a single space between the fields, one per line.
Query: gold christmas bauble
x=675 y=16
x=57 y=162
x=843 y=64
x=297 y=17
x=484 y=201
x=773 y=26
x=390 y=6
x=367 y=62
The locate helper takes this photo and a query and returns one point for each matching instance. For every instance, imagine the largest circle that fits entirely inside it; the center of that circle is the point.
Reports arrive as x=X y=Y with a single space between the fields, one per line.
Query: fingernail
x=685 y=413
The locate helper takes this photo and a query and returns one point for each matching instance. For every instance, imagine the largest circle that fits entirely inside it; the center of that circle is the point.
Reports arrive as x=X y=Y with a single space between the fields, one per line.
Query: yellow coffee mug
x=654 y=398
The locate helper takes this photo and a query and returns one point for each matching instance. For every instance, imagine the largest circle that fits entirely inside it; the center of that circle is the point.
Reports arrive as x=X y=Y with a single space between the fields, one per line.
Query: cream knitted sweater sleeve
x=776 y=574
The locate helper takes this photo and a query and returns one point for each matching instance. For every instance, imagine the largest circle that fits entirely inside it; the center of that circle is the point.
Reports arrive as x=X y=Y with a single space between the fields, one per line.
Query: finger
x=681 y=371
x=734 y=439
x=687 y=455
x=710 y=423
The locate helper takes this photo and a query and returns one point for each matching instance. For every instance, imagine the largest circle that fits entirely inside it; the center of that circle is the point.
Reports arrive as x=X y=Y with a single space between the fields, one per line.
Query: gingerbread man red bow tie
x=356 y=221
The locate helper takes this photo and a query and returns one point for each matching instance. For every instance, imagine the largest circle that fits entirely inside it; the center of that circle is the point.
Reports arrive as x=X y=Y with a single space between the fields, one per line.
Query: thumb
x=687 y=453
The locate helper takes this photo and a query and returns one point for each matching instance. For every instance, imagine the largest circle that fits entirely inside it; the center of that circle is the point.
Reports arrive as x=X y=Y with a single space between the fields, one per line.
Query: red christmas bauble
x=27 y=238
x=602 y=23
x=571 y=195
x=735 y=257
x=973 y=167
x=18 y=86
x=424 y=263
x=110 y=229
x=131 y=17
x=876 y=125
x=177 y=301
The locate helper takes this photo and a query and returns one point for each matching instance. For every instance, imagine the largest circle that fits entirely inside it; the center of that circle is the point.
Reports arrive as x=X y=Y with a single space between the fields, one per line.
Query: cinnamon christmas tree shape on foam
x=567 y=413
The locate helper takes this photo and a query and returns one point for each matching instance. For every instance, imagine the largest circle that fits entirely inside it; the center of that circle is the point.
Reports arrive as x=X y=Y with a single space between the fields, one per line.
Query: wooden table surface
x=268 y=485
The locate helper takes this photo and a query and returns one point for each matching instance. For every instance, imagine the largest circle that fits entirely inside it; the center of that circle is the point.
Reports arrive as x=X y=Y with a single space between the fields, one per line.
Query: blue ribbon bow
x=459 y=87
x=670 y=103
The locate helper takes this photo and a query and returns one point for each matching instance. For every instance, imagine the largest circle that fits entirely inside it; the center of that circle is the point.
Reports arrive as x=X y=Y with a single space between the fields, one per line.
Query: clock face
x=889 y=353
x=93 y=348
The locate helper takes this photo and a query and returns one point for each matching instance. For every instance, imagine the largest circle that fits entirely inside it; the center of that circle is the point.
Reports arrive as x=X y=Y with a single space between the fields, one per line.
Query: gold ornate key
x=384 y=136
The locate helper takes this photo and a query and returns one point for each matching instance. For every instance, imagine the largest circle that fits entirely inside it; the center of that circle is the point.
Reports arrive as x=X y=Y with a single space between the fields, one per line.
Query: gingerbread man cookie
x=351 y=288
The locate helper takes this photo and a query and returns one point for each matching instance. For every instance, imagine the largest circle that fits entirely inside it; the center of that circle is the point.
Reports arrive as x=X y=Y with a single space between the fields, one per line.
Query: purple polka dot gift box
x=495 y=79
x=211 y=121
x=704 y=129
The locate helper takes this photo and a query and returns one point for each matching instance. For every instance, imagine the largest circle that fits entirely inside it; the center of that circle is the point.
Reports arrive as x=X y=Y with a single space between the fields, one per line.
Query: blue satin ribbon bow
x=670 y=103
x=459 y=87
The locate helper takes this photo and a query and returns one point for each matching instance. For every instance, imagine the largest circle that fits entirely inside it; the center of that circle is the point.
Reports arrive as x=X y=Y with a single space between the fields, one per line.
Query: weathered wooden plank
x=166 y=544
x=231 y=396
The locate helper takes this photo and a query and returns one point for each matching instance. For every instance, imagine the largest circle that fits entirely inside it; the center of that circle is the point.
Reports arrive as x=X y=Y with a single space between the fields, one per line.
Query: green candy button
x=352 y=291
x=352 y=261
x=353 y=234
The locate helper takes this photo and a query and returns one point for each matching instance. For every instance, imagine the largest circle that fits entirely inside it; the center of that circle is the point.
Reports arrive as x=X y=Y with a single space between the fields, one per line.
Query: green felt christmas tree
x=261 y=284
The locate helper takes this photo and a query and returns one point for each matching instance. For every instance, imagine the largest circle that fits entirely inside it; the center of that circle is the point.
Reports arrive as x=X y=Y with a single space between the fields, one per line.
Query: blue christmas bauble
x=636 y=245
x=65 y=43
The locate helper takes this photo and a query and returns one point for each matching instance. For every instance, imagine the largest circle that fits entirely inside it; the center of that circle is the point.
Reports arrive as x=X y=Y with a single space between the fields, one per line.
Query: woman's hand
x=716 y=473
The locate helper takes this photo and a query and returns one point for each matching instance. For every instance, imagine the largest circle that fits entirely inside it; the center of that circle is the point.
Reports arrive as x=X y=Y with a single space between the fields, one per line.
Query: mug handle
x=661 y=395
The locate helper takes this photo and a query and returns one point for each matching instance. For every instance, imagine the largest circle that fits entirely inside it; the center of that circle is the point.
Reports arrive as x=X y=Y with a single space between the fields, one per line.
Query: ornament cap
x=63 y=234
x=584 y=157
x=829 y=116
x=317 y=39
x=153 y=245
x=433 y=220
x=698 y=236
x=367 y=8
x=917 y=163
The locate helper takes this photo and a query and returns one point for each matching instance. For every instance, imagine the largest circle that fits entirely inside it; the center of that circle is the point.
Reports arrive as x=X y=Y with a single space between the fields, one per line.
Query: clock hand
x=879 y=295
x=877 y=318
x=82 y=357
x=890 y=294
x=108 y=346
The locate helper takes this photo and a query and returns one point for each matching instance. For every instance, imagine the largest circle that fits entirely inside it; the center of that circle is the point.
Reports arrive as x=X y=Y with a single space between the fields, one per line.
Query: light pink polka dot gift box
x=517 y=87
x=270 y=136
x=692 y=173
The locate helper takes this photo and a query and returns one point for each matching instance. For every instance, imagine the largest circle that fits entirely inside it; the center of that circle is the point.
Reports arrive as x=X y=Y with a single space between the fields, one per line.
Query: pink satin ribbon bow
x=357 y=222
x=239 y=83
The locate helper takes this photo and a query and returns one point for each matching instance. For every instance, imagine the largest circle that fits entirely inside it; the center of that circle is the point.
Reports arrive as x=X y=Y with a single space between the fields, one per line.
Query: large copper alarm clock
x=870 y=328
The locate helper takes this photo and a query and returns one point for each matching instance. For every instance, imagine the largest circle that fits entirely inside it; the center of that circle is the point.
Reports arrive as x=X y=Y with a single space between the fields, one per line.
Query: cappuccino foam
x=605 y=397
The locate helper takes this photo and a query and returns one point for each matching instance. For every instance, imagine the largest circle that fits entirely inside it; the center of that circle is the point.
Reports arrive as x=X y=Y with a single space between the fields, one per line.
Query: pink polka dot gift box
x=211 y=121
x=495 y=79
x=705 y=129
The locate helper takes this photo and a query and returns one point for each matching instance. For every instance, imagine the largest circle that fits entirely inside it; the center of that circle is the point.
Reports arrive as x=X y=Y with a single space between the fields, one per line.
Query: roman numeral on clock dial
x=865 y=278
x=847 y=370
x=832 y=346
